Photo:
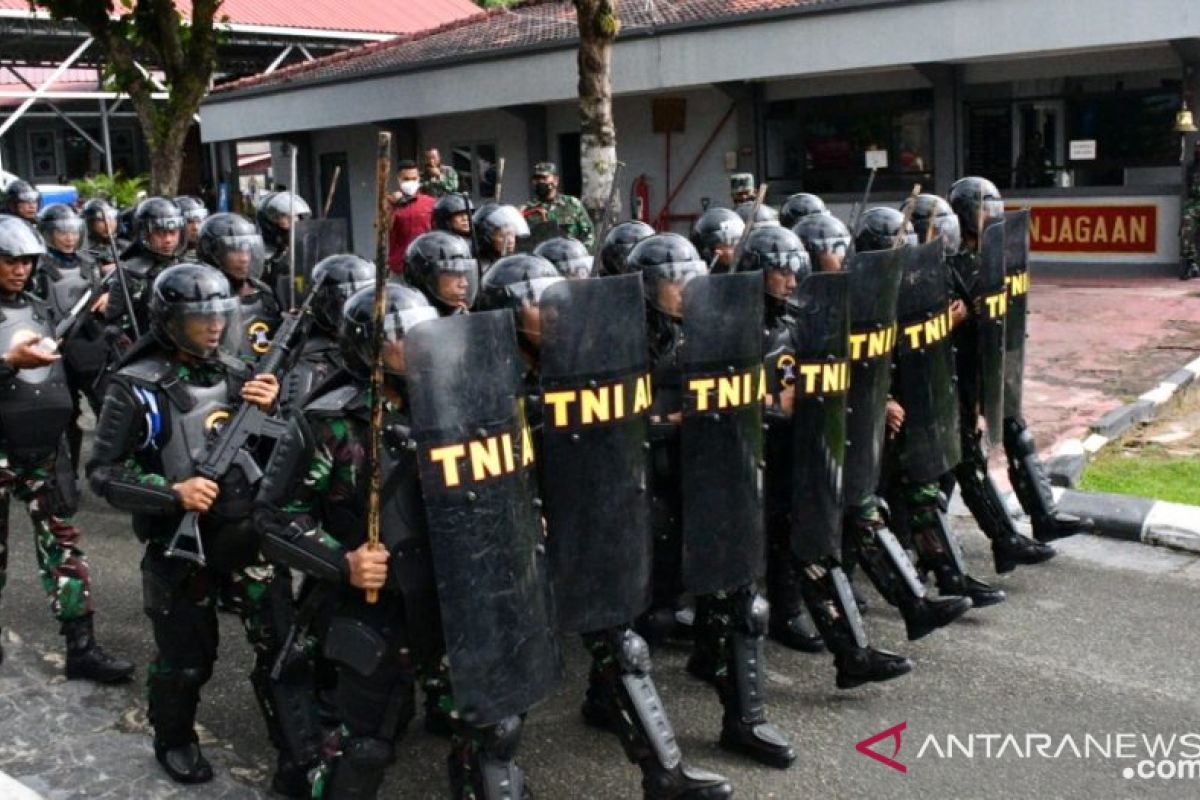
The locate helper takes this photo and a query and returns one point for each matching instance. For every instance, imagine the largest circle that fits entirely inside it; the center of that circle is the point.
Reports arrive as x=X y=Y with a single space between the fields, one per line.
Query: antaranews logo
x=1142 y=756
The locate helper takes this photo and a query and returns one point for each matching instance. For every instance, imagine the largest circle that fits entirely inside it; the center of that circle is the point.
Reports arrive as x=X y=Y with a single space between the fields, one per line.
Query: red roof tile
x=532 y=23
x=367 y=16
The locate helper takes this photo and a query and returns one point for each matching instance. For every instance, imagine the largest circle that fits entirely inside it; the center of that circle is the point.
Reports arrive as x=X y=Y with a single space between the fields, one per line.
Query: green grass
x=1145 y=473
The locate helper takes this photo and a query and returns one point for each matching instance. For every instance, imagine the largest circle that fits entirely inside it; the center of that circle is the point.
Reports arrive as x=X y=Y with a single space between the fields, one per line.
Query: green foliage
x=1148 y=472
x=496 y=3
x=118 y=190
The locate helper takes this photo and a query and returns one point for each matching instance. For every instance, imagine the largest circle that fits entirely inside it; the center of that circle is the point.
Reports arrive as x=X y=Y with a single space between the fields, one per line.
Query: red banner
x=1094 y=229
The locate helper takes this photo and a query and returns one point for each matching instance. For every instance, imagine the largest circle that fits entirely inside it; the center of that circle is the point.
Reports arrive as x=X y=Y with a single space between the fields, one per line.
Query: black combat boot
x=828 y=595
x=744 y=727
x=1032 y=486
x=1009 y=547
x=623 y=699
x=790 y=624
x=173 y=697
x=86 y=660
x=938 y=552
x=892 y=573
x=481 y=762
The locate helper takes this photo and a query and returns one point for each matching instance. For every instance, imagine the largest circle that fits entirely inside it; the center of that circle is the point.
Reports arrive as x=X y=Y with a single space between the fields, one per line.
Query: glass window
x=820 y=145
x=477 y=166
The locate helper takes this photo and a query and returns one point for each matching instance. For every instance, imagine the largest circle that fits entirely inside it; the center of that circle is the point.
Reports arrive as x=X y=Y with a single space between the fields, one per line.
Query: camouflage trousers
x=61 y=564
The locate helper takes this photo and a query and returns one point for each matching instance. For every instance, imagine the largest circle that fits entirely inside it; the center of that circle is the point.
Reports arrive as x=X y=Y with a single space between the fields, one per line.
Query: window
x=477 y=166
x=820 y=145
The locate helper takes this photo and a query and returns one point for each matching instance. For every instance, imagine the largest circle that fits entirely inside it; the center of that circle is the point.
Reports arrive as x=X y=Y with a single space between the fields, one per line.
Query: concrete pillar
x=537 y=145
x=945 y=80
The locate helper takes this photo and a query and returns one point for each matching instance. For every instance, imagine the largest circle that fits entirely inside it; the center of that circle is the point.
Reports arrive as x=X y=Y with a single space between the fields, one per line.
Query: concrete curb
x=1136 y=519
x=12 y=789
x=1069 y=460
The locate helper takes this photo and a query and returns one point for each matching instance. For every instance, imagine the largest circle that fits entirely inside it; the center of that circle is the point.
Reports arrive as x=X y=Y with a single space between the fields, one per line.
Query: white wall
x=358 y=142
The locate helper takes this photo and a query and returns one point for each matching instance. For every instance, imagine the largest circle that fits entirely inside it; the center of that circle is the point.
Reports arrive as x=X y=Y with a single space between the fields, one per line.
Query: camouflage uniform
x=1189 y=229
x=62 y=565
x=436 y=187
x=562 y=216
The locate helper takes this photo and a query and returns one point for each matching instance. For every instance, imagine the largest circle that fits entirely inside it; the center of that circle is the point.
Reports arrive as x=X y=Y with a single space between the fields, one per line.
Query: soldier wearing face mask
x=412 y=214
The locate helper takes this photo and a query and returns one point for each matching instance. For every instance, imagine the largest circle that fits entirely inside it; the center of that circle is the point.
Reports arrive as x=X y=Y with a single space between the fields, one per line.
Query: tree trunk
x=166 y=159
x=598 y=27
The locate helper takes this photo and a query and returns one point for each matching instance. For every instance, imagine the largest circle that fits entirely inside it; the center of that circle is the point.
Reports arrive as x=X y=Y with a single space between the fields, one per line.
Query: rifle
x=248 y=424
x=606 y=218
x=307 y=608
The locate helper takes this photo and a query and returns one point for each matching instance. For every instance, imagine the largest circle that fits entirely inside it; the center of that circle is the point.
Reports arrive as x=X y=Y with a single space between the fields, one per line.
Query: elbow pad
x=303 y=550
x=139 y=499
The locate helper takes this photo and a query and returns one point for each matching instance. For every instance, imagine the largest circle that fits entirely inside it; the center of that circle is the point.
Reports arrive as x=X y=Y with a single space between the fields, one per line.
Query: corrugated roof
x=533 y=23
x=365 y=16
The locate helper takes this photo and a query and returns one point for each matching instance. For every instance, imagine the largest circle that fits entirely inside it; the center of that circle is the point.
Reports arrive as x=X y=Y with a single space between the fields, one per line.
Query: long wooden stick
x=337 y=171
x=909 y=208
x=383 y=169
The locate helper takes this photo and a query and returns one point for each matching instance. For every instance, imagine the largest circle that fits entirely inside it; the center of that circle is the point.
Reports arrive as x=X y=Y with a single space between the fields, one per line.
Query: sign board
x=1094 y=229
x=877 y=159
x=1083 y=150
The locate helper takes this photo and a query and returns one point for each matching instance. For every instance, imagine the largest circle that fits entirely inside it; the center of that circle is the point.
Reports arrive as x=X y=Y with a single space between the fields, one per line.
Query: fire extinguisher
x=639 y=198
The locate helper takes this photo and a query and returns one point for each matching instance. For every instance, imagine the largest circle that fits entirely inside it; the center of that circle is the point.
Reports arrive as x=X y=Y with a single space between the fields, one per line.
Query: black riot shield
x=821 y=339
x=722 y=436
x=874 y=292
x=596 y=395
x=1016 y=266
x=992 y=305
x=925 y=372
x=316 y=239
x=476 y=464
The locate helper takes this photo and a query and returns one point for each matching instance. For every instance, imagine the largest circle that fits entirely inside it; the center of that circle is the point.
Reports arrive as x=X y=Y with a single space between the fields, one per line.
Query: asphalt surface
x=1101 y=641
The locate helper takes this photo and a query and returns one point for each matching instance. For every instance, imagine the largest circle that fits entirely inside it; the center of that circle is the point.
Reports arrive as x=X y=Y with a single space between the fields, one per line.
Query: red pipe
x=673 y=193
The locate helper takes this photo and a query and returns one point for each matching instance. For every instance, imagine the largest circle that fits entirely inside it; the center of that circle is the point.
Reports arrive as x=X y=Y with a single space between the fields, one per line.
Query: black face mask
x=543 y=190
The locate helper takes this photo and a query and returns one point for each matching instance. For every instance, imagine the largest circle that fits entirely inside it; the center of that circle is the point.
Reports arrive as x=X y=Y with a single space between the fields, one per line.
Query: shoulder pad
x=350 y=397
x=151 y=369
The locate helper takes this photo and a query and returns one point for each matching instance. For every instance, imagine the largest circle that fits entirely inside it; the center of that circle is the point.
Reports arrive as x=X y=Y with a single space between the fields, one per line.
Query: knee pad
x=500 y=741
x=366 y=752
x=754 y=613
x=1018 y=441
x=633 y=653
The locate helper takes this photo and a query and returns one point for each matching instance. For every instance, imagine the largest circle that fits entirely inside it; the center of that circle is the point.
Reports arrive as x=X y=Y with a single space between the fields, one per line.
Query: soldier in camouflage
x=1189 y=228
x=437 y=179
x=35 y=407
x=551 y=214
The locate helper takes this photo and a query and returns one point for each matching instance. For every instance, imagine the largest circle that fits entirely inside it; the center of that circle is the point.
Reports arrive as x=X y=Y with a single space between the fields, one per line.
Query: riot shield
x=1016 y=265
x=821 y=339
x=596 y=394
x=475 y=458
x=874 y=292
x=316 y=239
x=925 y=372
x=722 y=437
x=992 y=306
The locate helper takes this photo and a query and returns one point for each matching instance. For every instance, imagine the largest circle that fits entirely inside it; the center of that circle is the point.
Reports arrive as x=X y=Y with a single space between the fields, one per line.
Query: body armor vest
x=35 y=404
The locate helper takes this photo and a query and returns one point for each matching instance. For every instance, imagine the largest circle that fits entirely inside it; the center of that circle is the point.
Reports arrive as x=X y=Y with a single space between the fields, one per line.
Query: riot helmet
x=193 y=310
x=568 y=255
x=499 y=229
x=335 y=278
x=194 y=214
x=232 y=244
x=452 y=213
x=715 y=235
x=21 y=199
x=18 y=240
x=61 y=228
x=667 y=262
x=879 y=229
x=827 y=240
x=275 y=213
x=440 y=264
x=404 y=308
x=764 y=216
x=159 y=226
x=516 y=282
x=933 y=217
x=101 y=219
x=779 y=254
x=799 y=206
x=977 y=202
x=618 y=242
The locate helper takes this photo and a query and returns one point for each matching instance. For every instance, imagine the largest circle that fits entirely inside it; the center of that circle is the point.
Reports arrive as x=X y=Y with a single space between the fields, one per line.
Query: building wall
x=358 y=143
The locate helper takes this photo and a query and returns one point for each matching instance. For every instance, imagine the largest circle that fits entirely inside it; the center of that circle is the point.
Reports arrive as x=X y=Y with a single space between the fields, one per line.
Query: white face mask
x=409 y=188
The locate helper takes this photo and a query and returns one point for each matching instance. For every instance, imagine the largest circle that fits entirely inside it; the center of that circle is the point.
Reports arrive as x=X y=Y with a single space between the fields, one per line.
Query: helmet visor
x=664 y=283
x=578 y=267
x=204 y=327
x=241 y=256
x=456 y=281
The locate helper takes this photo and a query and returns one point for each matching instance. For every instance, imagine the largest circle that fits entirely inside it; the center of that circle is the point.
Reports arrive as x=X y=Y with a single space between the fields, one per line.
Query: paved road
x=1102 y=641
